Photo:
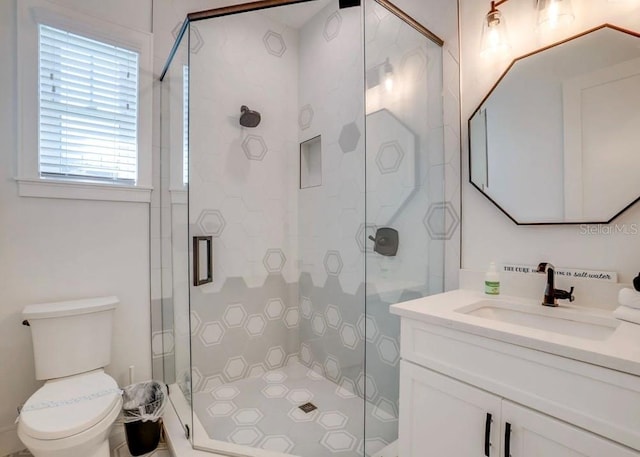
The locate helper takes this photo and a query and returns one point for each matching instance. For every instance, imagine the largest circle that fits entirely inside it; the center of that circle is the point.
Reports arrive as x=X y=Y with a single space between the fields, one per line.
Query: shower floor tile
x=265 y=412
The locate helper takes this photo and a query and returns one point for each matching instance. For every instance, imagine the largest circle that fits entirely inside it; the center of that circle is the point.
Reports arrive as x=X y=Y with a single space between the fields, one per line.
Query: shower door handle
x=202 y=260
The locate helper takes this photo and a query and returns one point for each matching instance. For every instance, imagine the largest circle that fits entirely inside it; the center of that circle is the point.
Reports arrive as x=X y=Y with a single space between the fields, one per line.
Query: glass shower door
x=278 y=360
x=405 y=190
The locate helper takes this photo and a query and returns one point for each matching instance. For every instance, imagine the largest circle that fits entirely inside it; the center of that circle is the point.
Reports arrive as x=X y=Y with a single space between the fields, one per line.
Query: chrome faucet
x=551 y=294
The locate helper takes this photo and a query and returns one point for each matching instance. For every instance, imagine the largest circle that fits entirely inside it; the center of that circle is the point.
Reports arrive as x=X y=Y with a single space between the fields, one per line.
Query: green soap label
x=492 y=287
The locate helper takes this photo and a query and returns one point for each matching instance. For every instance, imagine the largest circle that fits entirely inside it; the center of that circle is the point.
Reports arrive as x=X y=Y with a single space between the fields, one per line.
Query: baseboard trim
x=9 y=441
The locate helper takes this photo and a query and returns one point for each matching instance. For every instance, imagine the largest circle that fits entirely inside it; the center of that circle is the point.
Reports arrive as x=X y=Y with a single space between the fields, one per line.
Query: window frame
x=32 y=13
x=185 y=125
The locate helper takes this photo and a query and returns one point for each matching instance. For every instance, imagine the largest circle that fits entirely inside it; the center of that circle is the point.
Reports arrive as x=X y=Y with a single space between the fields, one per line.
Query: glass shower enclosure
x=300 y=150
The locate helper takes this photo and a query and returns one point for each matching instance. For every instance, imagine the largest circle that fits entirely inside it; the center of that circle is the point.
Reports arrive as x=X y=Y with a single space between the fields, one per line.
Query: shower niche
x=311 y=163
x=289 y=196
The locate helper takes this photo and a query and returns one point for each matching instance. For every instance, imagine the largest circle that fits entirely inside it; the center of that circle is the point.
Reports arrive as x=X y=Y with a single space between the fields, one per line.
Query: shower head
x=249 y=118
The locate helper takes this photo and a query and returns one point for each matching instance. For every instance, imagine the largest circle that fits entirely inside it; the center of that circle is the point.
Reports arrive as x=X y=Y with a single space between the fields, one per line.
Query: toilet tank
x=71 y=337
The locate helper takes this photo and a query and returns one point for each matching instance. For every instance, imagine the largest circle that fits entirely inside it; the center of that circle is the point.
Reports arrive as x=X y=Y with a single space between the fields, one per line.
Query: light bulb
x=388 y=83
x=554 y=13
x=495 y=38
x=388 y=76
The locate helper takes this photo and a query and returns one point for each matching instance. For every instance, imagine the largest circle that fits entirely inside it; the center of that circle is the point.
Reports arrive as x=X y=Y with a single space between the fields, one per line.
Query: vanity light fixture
x=495 y=38
x=551 y=14
x=554 y=13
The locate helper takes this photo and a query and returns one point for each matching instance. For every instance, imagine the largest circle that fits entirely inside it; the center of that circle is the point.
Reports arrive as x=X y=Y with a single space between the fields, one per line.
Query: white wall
x=64 y=249
x=488 y=234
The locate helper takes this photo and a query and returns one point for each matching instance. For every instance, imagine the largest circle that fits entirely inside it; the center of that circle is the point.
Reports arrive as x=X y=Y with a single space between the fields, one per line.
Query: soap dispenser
x=492 y=280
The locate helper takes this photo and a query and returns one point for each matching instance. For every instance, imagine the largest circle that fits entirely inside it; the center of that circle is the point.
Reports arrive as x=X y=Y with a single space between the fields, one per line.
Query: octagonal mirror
x=557 y=139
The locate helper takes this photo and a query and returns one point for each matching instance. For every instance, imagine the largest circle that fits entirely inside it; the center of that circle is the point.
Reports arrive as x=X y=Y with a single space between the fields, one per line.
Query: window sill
x=51 y=188
x=179 y=196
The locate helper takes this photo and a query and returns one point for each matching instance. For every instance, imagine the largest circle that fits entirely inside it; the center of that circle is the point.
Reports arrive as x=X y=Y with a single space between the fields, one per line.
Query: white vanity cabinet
x=467 y=395
x=444 y=417
x=533 y=434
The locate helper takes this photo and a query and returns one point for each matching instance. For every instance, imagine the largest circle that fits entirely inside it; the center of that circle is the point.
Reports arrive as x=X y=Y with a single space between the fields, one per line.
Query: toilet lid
x=68 y=406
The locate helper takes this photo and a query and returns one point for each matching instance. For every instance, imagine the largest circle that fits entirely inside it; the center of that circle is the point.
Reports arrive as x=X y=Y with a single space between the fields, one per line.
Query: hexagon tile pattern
x=332 y=26
x=326 y=325
x=441 y=221
x=274 y=309
x=274 y=43
x=254 y=147
x=305 y=117
x=211 y=333
x=333 y=263
x=362 y=236
x=274 y=260
x=389 y=157
x=349 y=137
x=414 y=64
x=211 y=222
x=244 y=323
x=269 y=405
x=195 y=40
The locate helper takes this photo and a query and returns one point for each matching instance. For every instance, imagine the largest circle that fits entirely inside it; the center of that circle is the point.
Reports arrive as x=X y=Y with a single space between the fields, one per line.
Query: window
x=85 y=99
x=185 y=125
x=88 y=108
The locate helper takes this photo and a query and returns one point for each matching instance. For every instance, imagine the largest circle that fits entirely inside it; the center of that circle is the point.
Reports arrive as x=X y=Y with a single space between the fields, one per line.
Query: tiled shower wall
x=405 y=154
x=242 y=192
x=405 y=190
x=405 y=187
x=331 y=103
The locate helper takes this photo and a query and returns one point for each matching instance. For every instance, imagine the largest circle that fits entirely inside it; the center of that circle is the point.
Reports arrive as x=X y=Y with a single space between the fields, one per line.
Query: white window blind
x=185 y=125
x=88 y=108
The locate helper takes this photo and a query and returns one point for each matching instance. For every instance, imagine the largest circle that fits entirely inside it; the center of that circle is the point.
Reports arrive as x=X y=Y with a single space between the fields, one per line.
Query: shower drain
x=308 y=407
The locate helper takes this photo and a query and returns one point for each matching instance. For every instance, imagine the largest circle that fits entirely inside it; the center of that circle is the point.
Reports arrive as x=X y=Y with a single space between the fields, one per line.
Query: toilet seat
x=68 y=406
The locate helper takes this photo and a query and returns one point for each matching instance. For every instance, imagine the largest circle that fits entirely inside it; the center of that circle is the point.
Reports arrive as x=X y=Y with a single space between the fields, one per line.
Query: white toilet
x=72 y=414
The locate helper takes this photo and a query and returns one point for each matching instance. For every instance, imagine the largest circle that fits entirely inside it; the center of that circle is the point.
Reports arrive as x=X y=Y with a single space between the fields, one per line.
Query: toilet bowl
x=71 y=415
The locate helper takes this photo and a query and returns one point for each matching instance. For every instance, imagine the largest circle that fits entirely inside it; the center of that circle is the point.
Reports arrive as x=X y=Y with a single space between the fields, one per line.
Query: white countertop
x=620 y=351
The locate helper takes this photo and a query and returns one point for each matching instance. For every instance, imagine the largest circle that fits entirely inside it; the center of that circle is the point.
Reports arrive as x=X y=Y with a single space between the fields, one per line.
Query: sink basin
x=564 y=321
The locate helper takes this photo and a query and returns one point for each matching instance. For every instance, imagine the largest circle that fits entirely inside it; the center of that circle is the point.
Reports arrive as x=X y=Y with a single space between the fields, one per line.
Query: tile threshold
x=179 y=445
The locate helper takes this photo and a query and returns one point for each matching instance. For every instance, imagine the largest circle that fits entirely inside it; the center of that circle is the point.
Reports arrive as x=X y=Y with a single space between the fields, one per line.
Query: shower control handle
x=382 y=241
x=385 y=241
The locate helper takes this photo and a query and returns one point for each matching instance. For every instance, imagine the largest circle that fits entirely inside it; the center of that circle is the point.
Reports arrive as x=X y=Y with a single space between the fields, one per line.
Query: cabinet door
x=534 y=434
x=441 y=417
